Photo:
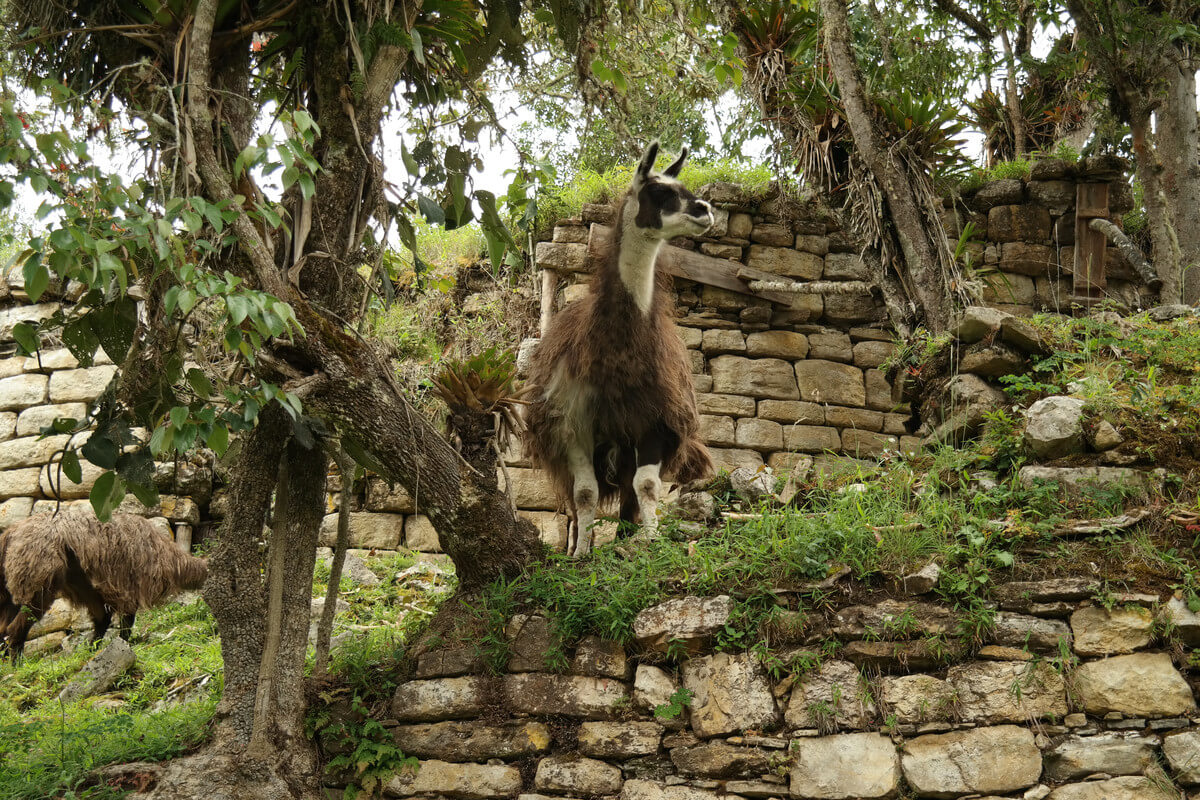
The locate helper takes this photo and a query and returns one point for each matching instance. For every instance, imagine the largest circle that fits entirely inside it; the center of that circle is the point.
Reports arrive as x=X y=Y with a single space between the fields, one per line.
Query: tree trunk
x=1163 y=242
x=922 y=257
x=1178 y=143
x=1016 y=117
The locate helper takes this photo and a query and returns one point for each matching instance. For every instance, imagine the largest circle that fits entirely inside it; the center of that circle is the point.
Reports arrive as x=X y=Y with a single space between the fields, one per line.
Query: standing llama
x=122 y=566
x=614 y=409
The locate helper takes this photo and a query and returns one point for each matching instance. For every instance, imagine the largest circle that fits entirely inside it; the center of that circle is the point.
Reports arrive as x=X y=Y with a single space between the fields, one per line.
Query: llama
x=614 y=409
x=122 y=566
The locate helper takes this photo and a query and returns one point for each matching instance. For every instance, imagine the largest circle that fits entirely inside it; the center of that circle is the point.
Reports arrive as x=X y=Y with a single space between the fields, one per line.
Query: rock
x=75 y=385
x=531 y=639
x=999 y=192
x=758 y=434
x=420 y=535
x=977 y=322
x=1007 y=691
x=718 y=759
x=652 y=687
x=772 y=234
x=1142 y=684
x=690 y=621
x=846 y=267
x=853 y=765
x=872 y=354
x=101 y=672
x=1020 y=595
x=1104 y=436
x=1104 y=632
x=1057 y=196
x=1054 y=426
x=830 y=347
x=785 y=262
x=994 y=760
x=893 y=656
x=531 y=489
x=460 y=781
x=730 y=693
x=969 y=396
x=1138 y=485
x=830 y=382
x=619 y=740
x=472 y=741
x=586 y=776
x=438 y=699
x=695 y=506
x=917 y=698
x=752 y=485
x=1185 y=621
x=600 y=658
x=395 y=499
x=1021 y=335
x=770 y=378
x=1077 y=757
x=811 y=438
x=367 y=531
x=358 y=572
x=732 y=405
x=1166 y=313
x=723 y=341
x=894 y=619
x=1051 y=169
x=777 y=344
x=1018 y=223
x=637 y=789
x=1045 y=636
x=1126 y=788
x=1183 y=754
x=568 y=695
x=991 y=361
x=1023 y=258
x=61 y=616
x=832 y=697
x=922 y=581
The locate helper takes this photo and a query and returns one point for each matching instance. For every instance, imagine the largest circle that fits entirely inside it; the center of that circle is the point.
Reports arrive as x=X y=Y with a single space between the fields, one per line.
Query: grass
x=49 y=749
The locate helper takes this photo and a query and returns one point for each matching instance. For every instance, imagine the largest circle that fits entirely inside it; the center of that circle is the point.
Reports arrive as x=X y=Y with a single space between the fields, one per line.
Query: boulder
x=1007 y=691
x=1105 y=632
x=730 y=693
x=832 y=697
x=1141 y=685
x=853 y=765
x=977 y=322
x=690 y=621
x=995 y=760
x=1077 y=757
x=1125 y=788
x=1054 y=426
x=917 y=698
x=1183 y=754
x=100 y=673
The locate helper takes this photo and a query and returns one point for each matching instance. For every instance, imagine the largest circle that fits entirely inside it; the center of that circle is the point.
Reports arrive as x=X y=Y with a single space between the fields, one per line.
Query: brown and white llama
x=117 y=567
x=614 y=409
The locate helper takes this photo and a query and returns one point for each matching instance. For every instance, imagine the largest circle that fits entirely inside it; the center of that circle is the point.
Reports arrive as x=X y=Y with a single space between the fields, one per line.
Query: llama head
x=659 y=206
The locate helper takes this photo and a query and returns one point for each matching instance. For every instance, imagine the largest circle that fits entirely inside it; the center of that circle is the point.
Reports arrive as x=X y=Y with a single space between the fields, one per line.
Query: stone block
x=853 y=765
x=720 y=760
x=22 y=391
x=652 y=687
x=638 y=789
x=792 y=412
x=1007 y=691
x=420 y=535
x=803 y=308
x=692 y=338
x=860 y=418
x=439 y=699
x=830 y=382
x=460 y=781
x=988 y=761
x=695 y=361
x=786 y=262
x=367 y=530
x=881 y=395
x=728 y=459
x=30 y=451
x=472 y=740
x=849 y=309
x=846 y=267
x=1045 y=636
x=811 y=438
x=1009 y=287
x=568 y=695
x=977 y=322
x=866 y=444
x=1077 y=757
x=916 y=699
x=830 y=346
x=13 y=365
x=787 y=345
x=832 y=697
x=574 y=292
x=1106 y=632
x=1183 y=754
x=769 y=378
x=600 y=658
x=9 y=317
x=740 y=225
x=730 y=693
x=1019 y=223
x=619 y=740
x=991 y=360
x=1054 y=426
x=562 y=256
x=31 y=421
x=812 y=243
x=718 y=250
x=717 y=431
x=1185 y=621
x=725 y=404
x=54 y=483
x=8 y=425
x=579 y=775
x=1056 y=196
x=394 y=499
x=773 y=234
x=687 y=621
x=531 y=639
x=574 y=234
x=723 y=341
x=872 y=354
x=14 y=510
x=531 y=489
x=1023 y=258
x=75 y=385
x=759 y=434
x=1124 y=788
x=1141 y=684
x=1004 y=191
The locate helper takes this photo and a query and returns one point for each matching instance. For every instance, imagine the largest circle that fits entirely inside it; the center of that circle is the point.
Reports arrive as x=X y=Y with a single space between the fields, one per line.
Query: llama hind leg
x=585 y=493
x=647 y=480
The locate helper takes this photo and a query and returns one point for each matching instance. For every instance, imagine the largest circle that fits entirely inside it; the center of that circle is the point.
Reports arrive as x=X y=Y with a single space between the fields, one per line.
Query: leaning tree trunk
x=1163 y=241
x=1178 y=143
x=921 y=240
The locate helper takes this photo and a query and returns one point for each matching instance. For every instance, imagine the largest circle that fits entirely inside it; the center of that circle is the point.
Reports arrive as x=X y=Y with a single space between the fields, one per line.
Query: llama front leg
x=647 y=483
x=585 y=493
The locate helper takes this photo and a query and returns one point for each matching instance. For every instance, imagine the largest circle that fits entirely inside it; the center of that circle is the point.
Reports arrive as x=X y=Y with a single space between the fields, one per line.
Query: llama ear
x=673 y=170
x=647 y=162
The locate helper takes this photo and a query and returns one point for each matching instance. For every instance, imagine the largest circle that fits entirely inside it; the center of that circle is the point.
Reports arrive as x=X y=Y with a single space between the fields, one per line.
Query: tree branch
x=976 y=25
x=1128 y=250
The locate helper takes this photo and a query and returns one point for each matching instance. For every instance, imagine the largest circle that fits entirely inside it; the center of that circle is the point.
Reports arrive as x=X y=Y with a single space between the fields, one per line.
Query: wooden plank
x=694 y=266
x=1091 y=201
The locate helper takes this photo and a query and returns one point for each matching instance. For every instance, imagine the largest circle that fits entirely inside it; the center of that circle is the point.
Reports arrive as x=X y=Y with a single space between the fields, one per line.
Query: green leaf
x=26 y=337
x=79 y=338
x=432 y=211
x=200 y=383
x=239 y=308
x=418 y=49
x=114 y=325
x=71 y=468
x=107 y=494
x=410 y=163
x=100 y=450
x=37 y=277
x=218 y=439
x=179 y=416
x=308 y=187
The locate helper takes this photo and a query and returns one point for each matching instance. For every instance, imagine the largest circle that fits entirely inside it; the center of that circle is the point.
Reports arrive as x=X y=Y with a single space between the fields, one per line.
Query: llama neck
x=635 y=261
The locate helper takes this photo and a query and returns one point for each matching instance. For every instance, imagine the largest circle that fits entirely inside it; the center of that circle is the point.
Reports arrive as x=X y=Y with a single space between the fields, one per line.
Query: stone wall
x=1064 y=699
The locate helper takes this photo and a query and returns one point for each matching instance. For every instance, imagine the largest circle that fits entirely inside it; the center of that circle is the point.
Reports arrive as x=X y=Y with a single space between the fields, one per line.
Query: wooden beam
x=719 y=272
x=1091 y=202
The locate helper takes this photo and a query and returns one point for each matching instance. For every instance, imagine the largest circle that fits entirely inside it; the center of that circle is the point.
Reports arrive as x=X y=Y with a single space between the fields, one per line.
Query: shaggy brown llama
x=122 y=566
x=614 y=409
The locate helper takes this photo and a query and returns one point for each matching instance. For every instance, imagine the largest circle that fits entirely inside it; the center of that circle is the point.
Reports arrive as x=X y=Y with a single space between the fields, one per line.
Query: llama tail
x=692 y=462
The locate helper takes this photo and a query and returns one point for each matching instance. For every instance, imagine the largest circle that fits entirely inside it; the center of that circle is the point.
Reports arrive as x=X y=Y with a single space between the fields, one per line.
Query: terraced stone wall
x=1065 y=699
